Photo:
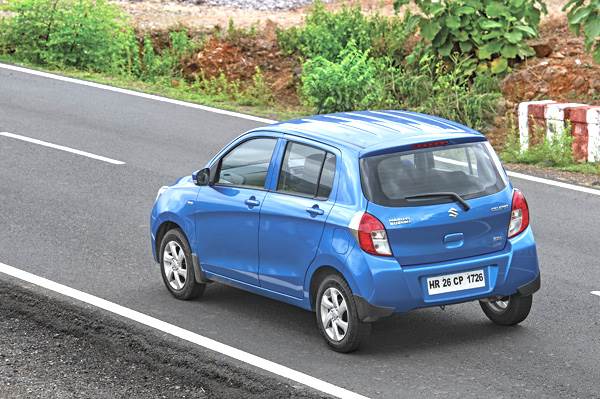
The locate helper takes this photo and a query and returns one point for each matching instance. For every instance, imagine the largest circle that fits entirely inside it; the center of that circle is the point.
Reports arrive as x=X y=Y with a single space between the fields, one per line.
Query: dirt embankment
x=562 y=70
x=239 y=58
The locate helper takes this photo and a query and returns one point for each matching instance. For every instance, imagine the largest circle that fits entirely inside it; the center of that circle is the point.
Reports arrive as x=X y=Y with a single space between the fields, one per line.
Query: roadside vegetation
x=555 y=152
x=94 y=39
x=451 y=58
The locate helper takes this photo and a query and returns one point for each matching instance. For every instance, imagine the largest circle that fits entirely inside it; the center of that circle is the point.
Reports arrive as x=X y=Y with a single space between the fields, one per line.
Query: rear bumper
x=388 y=287
x=530 y=288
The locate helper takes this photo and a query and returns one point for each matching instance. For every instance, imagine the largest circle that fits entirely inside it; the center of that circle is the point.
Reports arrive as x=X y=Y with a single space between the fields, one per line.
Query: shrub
x=167 y=62
x=585 y=16
x=450 y=90
x=326 y=34
x=486 y=29
x=556 y=151
x=85 y=34
x=349 y=84
x=222 y=89
x=259 y=92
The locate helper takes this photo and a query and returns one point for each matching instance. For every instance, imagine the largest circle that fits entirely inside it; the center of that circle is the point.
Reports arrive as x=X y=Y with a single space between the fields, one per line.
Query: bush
x=258 y=93
x=555 y=152
x=167 y=63
x=349 y=84
x=585 y=15
x=85 y=34
x=486 y=29
x=450 y=90
x=326 y=34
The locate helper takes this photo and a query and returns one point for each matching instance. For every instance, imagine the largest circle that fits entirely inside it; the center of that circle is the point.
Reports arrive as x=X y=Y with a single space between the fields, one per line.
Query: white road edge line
x=595 y=293
x=135 y=93
x=554 y=183
x=62 y=148
x=245 y=116
x=179 y=332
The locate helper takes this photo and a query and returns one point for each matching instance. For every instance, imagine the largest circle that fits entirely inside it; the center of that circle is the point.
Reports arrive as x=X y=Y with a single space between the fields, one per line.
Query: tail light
x=372 y=236
x=519 y=216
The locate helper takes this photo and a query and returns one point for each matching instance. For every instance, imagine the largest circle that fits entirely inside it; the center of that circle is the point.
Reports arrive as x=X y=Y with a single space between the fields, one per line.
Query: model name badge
x=499 y=208
x=397 y=221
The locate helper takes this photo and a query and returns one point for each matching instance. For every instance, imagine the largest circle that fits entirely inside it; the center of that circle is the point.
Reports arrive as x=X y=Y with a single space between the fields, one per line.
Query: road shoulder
x=52 y=348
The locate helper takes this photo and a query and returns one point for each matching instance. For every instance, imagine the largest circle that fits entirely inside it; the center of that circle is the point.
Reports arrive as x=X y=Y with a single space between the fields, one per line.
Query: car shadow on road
x=424 y=329
x=408 y=333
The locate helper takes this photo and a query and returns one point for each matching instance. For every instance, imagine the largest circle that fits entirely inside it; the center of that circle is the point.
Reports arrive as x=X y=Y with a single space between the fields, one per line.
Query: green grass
x=181 y=91
x=585 y=168
x=555 y=153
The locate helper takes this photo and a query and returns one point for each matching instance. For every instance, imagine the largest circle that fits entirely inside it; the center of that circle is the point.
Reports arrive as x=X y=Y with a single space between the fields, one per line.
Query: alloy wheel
x=500 y=305
x=175 y=265
x=334 y=314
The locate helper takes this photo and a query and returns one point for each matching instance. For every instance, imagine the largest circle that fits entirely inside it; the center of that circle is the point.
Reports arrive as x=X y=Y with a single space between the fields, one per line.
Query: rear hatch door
x=439 y=227
x=442 y=232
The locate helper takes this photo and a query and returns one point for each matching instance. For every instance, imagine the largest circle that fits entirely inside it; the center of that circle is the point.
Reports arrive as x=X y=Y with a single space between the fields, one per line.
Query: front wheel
x=177 y=268
x=337 y=316
x=508 y=311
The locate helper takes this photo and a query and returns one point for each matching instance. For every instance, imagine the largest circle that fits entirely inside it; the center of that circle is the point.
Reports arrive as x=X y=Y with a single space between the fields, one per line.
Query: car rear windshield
x=470 y=170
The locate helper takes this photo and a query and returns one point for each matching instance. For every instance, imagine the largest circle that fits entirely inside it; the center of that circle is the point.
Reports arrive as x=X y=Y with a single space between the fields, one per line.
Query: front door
x=228 y=212
x=293 y=217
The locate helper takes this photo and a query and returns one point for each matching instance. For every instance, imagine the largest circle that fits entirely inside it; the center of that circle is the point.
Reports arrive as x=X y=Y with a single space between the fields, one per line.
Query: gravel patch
x=261 y=5
x=51 y=348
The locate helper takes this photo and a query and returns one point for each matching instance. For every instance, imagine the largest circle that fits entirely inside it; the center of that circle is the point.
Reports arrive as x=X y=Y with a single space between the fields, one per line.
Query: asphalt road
x=84 y=223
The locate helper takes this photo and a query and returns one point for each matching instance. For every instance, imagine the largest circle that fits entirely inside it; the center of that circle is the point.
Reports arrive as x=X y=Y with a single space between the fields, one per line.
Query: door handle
x=315 y=210
x=252 y=201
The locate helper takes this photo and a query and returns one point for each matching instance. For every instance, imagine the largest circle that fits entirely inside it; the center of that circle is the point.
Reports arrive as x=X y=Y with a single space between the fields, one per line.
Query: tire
x=513 y=310
x=178 y=274
x=331 y=330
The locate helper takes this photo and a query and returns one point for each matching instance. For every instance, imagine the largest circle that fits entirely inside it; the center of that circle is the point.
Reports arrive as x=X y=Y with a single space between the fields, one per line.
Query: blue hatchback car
x=355 y=216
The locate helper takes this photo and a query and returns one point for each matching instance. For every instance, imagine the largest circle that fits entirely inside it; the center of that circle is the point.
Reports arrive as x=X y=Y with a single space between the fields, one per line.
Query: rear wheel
x=508 y=311
x=337 y=316
x=177 y=268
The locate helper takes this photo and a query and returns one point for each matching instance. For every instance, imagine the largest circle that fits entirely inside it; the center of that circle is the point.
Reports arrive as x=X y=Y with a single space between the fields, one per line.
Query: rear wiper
x=448 y=194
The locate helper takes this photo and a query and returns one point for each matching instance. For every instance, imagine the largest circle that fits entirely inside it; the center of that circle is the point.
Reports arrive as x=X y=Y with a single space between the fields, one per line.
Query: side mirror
x=201 y=177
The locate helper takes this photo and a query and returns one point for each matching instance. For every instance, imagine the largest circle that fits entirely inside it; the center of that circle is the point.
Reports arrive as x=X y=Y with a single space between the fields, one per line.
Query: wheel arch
x=317 y=276
x=162 y=230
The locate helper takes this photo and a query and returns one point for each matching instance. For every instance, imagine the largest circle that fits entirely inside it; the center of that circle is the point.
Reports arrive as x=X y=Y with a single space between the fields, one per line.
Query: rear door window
x=468 y=170
x=306 y=171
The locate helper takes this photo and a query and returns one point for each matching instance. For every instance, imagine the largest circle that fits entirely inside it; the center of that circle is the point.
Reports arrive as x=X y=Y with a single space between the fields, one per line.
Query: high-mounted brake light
x=519 y=216
x=430 y=144
x=372 y=236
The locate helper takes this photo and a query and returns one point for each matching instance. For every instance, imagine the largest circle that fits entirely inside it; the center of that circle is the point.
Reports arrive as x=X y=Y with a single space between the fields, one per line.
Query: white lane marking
x=135 y=93
x=554 y=183
x=245 y=116
x=179 y=332
x=62 y=148
x=595 y=293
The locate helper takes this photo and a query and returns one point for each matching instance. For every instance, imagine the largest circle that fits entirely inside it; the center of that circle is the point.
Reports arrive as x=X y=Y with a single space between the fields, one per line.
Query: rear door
x=437 y=228
x=293 y=216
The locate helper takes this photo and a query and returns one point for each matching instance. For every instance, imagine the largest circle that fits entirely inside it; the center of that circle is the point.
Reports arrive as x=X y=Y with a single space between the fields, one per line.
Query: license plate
x=455 y=282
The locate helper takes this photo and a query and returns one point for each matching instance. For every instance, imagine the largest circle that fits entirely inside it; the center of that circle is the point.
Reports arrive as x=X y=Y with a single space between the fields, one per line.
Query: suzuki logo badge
x=452 y=212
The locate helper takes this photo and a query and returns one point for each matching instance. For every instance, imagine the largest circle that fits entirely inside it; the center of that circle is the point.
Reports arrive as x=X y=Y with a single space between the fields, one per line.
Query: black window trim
x=294 y=194
x=220 y=161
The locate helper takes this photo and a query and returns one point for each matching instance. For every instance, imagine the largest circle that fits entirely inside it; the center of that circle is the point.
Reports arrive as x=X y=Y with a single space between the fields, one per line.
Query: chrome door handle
x=315 y=210
x=252 y=202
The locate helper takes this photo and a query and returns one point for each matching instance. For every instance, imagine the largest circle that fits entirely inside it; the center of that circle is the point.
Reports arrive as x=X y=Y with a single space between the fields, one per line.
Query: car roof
x=368 y=131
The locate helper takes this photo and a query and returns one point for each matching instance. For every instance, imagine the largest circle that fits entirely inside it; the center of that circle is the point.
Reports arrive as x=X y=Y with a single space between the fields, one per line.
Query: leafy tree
x=585 y=16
